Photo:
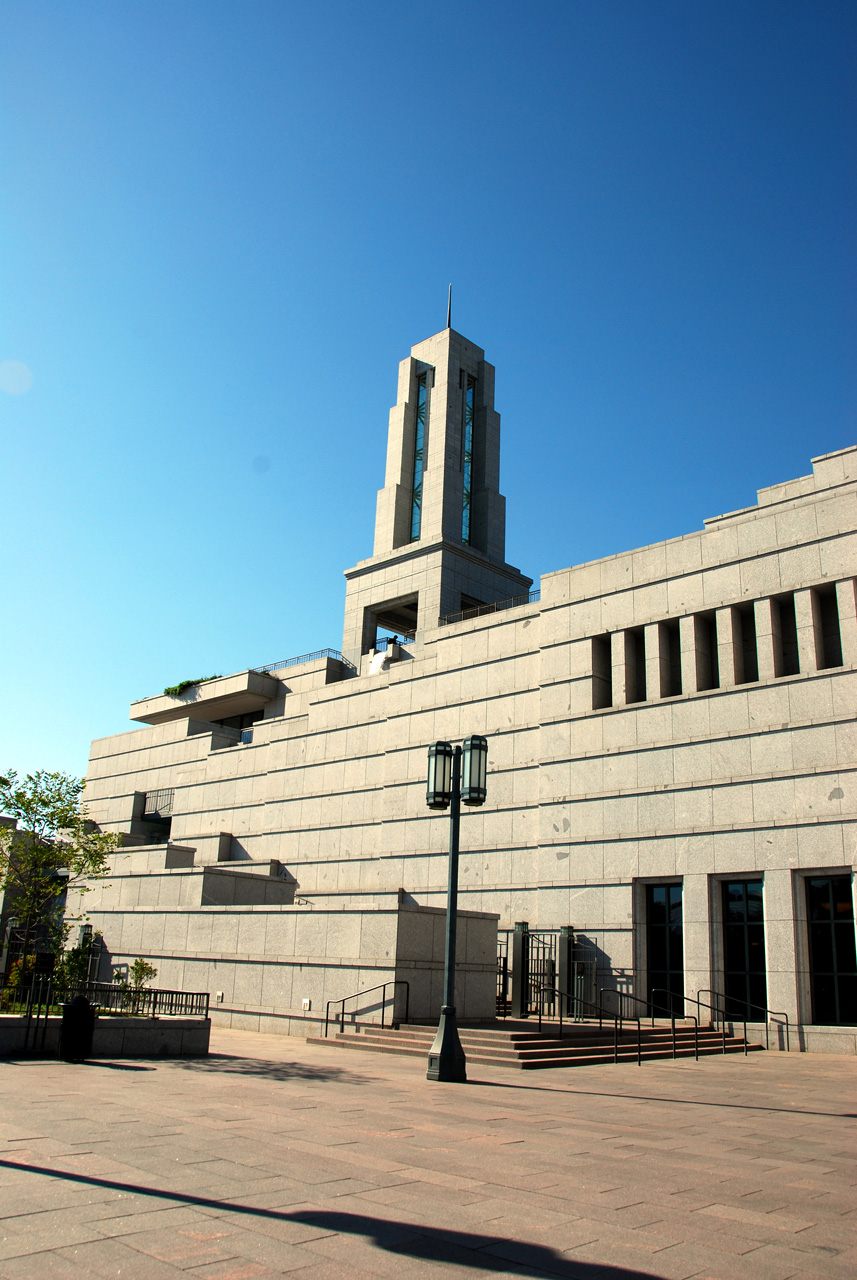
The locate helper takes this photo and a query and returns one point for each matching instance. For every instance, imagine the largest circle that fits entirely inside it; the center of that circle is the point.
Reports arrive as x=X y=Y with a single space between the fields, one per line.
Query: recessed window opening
x=419 y=457
x=467 y=458
x=635 y=665
x=744 y=621
x=157 y=814
x=786 y=660
x=744 y=969
x=159 y=804
x=829 y=643
x=705 y=639
x=832 y=955
x=602 y=673
x=665 y=949
x=671 y=665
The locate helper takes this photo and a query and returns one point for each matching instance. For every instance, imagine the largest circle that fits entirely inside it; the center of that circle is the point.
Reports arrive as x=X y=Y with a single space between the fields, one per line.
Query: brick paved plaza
x=275 y=1158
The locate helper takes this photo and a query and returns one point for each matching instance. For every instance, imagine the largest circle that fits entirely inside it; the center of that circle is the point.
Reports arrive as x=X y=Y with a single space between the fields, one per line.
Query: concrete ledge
x=213 y=700
x=113 y=1038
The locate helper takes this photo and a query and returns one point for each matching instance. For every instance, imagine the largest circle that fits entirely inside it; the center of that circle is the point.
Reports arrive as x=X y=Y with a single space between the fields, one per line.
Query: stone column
x=657 y=675
x=808 y=631
x=623 y=677
x=768 y=643
x=728 y=649
x=845 y=600
x=780 y=947
x=695 y=922
x=689 y=663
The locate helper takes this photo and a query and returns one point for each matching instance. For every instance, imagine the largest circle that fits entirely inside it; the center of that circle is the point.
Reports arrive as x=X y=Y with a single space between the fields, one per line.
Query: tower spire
x=449 y=309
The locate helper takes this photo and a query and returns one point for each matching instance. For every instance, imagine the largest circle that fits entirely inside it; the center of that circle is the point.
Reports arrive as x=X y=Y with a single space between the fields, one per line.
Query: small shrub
x=176 y=690
x=140 y=973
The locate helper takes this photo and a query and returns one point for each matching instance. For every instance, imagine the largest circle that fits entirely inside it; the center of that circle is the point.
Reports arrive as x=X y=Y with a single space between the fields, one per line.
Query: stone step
x=545 y=1046
x=538 y=1052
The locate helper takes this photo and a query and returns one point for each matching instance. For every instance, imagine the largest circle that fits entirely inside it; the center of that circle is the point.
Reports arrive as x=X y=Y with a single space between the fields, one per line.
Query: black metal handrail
x=498 y=606
x=382 y=986
x=761 y=1008
x=383 y=644
x=602 y=1013
x=109 y=997
x=649 y=1006
x=37 y=997
x=304 y=657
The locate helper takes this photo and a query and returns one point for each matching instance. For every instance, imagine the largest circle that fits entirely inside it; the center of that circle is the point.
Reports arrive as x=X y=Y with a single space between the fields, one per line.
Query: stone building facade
x=672 y=748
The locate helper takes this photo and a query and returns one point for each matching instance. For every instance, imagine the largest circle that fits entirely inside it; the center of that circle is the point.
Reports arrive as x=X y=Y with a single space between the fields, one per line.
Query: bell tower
x=440 y=525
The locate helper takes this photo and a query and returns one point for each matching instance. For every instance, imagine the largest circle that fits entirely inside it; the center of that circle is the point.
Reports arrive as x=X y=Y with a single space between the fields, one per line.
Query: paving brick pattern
x=274 y=1158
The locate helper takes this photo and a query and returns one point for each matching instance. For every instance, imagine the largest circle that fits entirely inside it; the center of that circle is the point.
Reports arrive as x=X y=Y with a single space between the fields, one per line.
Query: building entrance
x=746 y=985
x=832 y=957
x=665 y=948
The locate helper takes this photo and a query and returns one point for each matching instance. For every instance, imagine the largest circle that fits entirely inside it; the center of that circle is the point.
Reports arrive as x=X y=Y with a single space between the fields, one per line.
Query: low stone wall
x=803 y=1038
x=113 y=1037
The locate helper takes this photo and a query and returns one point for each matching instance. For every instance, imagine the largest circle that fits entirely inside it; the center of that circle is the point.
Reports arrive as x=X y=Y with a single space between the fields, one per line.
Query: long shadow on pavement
x=681 y=1102
x=268 y=1070
x=488 y=1253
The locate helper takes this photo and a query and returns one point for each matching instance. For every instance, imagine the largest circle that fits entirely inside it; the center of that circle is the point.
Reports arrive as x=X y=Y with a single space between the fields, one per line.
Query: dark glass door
x=665 y=948
x=746 y=986
x=832 y=957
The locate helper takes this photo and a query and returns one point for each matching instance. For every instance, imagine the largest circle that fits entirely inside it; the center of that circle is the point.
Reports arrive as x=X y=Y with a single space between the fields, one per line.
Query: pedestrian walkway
x=275 y=1158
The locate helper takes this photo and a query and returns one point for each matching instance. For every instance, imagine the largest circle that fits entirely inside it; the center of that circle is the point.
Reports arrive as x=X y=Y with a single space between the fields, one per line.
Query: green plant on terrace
x=176 y=690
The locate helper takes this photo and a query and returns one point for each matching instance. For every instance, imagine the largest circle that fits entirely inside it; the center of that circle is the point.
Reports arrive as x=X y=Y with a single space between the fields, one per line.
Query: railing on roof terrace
x=305 y=657
x=497 y=607
x=384 y=642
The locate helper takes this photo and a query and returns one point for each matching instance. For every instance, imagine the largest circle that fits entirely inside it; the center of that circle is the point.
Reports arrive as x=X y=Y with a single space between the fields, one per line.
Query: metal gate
x=544 y=970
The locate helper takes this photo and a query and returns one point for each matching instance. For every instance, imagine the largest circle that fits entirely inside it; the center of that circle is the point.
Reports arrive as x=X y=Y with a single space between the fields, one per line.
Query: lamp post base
x=446 y=1060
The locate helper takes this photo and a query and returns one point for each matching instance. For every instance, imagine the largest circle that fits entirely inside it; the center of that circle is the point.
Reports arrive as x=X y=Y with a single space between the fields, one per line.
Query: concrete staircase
x=518 y=1044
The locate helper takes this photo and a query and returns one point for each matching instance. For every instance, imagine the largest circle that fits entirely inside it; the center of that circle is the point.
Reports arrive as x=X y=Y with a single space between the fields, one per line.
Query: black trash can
x=78 y=1024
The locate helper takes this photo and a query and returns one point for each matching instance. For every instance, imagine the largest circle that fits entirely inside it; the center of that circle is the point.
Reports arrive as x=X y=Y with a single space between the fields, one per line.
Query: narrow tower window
x=467 y=469
x=419 y=458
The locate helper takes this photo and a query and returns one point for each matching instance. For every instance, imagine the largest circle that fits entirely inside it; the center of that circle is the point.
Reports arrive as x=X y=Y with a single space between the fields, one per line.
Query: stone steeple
x=440 y=527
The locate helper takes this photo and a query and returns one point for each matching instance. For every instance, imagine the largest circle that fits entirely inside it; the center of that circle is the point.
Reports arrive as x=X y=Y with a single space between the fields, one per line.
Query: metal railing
x=480 y=610
x=39 y=998
x=304 y=657
x=650 y=1012
x=382 y=644
x=382 y=986
x=618 y=1021
x=106 y=997
x=760 y=1008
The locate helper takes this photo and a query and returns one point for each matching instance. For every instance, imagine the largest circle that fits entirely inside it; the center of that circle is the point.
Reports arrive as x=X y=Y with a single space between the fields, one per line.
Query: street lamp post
x=454 y=775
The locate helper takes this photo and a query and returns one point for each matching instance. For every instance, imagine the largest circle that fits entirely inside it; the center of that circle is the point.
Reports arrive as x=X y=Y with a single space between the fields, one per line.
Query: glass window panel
x=419 y=458
x=824 y=1003
x=818 y=899
x=845 y=954
x=657 y=904
x=847 y=998
x=821 y=947
x=467 y=463
x=733 y=902
x=733 y=946
x=755 y=904
x=843 y=902
x=657 y=949
x=756 y=948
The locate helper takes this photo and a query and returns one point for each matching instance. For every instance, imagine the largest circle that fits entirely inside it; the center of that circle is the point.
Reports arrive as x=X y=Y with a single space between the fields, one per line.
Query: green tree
x=140 y=973
x=55 y=845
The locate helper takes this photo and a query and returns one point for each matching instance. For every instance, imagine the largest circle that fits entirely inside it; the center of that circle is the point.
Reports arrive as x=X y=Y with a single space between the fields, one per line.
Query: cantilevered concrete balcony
x=213 y=700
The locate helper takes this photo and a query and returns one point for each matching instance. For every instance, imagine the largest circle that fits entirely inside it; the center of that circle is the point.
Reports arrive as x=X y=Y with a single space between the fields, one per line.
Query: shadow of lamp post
x=455 y=775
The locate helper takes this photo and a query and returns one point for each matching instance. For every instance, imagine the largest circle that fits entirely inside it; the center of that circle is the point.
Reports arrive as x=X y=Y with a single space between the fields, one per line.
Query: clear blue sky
x=223 y=224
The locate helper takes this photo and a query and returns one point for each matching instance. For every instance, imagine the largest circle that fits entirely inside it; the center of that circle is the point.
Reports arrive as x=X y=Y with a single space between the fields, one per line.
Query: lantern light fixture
x=439 y=785
x=474 y=770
